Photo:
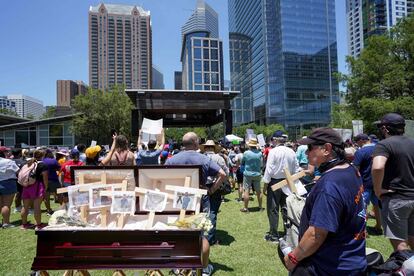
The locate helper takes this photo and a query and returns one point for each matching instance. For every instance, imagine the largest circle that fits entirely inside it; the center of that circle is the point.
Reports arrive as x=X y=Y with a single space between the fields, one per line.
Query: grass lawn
x=242 y=252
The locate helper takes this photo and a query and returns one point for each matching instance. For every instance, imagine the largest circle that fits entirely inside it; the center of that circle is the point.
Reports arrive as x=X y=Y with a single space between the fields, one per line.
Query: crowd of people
x=342 y=180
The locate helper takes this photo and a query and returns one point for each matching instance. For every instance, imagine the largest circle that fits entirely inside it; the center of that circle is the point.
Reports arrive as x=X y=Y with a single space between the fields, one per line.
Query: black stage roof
x=8 y=119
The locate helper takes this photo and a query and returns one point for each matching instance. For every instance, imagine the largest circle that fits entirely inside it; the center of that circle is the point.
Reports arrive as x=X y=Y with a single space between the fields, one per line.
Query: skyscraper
x=202 y=51
x=27 y=106
x=120 y=46
x=157 y=78
x=372 y=17
x=67 y=90
x=178 y=80
x=283 y=57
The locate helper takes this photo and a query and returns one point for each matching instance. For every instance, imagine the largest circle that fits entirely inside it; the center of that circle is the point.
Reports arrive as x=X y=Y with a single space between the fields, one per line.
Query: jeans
x=275 y=200
x=211 y=205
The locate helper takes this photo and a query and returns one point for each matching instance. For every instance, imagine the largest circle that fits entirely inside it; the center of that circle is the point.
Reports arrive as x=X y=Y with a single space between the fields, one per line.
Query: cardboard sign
x=93 y=143
x=358 y=127
x=261 y=140
x=152 y=126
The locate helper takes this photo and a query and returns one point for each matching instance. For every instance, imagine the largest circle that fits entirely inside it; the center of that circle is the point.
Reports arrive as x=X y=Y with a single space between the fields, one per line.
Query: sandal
x=244 y=210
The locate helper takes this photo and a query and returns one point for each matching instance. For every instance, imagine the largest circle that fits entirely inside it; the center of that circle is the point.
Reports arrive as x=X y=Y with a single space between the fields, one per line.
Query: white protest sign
x=261 y=140
x=409 y=128
x=358 y=127
x=93 y=143
x=345 y=133
x=152 y=126
x=249 y=134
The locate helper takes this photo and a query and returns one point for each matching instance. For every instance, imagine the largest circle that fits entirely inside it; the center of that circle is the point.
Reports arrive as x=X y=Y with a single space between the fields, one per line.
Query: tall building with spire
x=120 y=46
x=202 y=50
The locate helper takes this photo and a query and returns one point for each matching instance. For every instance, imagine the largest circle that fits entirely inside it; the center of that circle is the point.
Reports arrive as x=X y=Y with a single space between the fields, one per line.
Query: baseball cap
x=362 y=137
x=278 y=134
x=391 y=119
x=323 y=135
x=3 y=148
x=74 y=152
x=91 y=152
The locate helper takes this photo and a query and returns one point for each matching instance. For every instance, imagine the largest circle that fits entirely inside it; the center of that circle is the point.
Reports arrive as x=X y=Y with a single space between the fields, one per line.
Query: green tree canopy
x=8 y=112
x=102 y=112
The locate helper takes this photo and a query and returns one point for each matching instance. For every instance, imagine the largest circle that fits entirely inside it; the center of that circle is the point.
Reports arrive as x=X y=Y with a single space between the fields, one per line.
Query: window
x=214 y=78
x=206 y=66
x=198 y=78
x=197 y=53
x=206 y=78
x=206 y=53
x=214 y=66
x=197 y=65
x=213 y=43
x=214 y=54
x=197 y=42
x=205 y=43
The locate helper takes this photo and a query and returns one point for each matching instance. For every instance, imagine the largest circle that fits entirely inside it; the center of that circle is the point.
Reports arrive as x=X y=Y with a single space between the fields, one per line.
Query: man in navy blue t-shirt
x=332 y=227
x=363 y=161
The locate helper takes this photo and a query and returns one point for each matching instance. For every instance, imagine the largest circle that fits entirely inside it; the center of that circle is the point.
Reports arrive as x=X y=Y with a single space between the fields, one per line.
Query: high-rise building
x=67 y=90
x=372 y=17
x=178 y=80
x=202 y=51
x=283 y=57
x=157 y=78
x=120 y=46
x=7 y=104
x=27 y=106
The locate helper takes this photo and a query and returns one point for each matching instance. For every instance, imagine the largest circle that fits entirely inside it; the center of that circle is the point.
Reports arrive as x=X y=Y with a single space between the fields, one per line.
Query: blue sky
x=47 y=40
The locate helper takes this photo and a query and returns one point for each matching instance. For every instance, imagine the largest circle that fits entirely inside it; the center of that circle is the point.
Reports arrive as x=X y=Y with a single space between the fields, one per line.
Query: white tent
x=232 y=137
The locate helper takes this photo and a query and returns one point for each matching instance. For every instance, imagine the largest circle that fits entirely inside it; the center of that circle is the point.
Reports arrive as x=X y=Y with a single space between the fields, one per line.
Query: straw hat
x=253 y=143
x=210 y=143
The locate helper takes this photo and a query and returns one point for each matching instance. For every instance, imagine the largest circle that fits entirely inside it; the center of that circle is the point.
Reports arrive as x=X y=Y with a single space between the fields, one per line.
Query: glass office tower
x=291 y=51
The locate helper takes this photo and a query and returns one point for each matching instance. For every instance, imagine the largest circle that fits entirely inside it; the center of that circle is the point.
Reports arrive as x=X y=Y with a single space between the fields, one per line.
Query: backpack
x=27 y=175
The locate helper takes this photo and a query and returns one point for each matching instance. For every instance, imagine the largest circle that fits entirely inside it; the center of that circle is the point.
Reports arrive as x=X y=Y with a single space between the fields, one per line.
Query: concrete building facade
x=67 y=90
x=120 y=46
x=27 y=106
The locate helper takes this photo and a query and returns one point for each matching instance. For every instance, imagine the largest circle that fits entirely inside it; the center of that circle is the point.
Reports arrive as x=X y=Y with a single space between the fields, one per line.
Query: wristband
x=293 y=258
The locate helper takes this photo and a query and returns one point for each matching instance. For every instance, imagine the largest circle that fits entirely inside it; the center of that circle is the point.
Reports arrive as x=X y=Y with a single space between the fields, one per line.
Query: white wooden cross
x=151 y=215
x=197 y=192
x=290 y=180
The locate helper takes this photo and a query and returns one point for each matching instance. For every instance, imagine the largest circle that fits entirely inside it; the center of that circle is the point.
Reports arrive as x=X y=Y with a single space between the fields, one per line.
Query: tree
x=8 y=112
x=381 y=79
x=102 y=112
x=342 y=116
x=50 y=112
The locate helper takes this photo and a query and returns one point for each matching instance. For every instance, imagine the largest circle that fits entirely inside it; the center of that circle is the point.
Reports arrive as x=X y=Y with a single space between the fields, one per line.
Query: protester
x=92 y=155
x=8 y=185
x=239 y=171
x=19 y=157
x=252 y=161
x=35 y=193
x=210 y=150
x=119 y=155
x=280 y=157
x=152 y=155
x=82 y=156
x=363 y=161
x=65 y=175
x=190 y=156
x=302 y=156
x=332 y=226
x=53 y=180
x=393 y=178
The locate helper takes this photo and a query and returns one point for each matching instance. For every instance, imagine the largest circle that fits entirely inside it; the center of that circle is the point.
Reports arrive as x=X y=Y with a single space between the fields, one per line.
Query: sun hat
x=210 y=143
x=253 y=143
x=91 y=152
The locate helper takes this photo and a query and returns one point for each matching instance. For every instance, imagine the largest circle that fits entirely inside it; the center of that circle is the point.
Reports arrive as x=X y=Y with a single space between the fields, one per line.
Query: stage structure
x=182 y=108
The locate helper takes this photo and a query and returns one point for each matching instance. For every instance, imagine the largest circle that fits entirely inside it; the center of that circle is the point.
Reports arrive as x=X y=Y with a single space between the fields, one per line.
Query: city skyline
x=60 y=50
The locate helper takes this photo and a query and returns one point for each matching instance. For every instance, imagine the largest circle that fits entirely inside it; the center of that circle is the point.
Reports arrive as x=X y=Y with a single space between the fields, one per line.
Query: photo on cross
x=123 y=202
x=154 y=201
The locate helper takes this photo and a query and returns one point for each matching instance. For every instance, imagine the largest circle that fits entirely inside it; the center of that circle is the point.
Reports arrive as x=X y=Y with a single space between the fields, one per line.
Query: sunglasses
x=313 y=146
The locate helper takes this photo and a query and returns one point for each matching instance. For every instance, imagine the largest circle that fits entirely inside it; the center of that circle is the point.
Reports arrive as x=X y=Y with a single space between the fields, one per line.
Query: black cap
x=321 y=136
x=391 y=119
x=362 y=137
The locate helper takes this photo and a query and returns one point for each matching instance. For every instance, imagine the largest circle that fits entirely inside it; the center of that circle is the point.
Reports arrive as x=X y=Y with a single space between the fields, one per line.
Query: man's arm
x=312 y=239
x=162 y=140
x=219 y=179
x=377 y=171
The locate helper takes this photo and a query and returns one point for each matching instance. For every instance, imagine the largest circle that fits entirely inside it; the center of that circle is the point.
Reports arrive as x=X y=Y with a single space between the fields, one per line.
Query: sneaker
x=7 y=225
x=208 y=270
x=27 y=226
x=18 y=209
x=271 y=238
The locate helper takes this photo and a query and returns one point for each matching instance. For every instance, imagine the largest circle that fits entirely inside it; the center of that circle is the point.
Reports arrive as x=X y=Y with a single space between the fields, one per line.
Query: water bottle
x=407 y=267
x=284 y=246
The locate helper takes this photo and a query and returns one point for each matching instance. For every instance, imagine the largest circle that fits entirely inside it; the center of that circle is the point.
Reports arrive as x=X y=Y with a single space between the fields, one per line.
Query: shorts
x=53 y=186
x=397 y=217
x=369 y=196
x=239 y=176
x=34 y=191
x=8 y=187
x=250 y=181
